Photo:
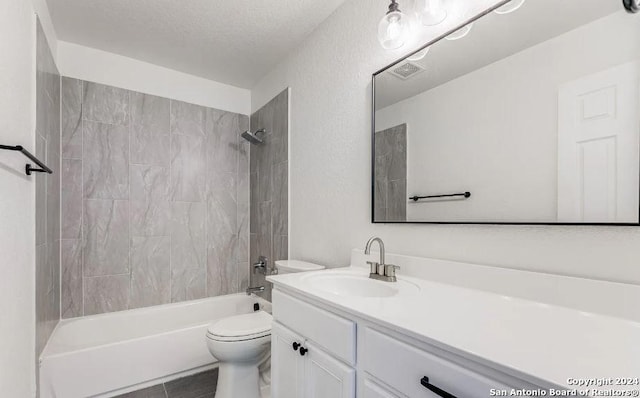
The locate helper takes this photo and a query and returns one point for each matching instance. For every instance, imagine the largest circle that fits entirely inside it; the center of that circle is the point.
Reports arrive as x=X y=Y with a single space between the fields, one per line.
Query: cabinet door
x=327 y=377
x=287 y=365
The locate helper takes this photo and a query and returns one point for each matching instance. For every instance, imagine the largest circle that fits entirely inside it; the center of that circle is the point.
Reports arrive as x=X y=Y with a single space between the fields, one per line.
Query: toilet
x=291 y=266
x=241 y=343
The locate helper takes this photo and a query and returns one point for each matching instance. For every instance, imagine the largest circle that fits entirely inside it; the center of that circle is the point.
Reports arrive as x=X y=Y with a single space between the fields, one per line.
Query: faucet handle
x=373 y=267
x=390 y=269
x=261 y=266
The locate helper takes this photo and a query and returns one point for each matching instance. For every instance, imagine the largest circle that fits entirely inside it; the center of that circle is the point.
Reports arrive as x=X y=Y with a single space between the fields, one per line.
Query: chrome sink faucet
x=379 y=270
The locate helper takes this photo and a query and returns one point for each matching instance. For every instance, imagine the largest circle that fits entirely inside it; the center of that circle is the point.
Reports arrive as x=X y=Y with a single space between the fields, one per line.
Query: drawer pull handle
x=439 y=392
x=303 y=351
x=295 y=346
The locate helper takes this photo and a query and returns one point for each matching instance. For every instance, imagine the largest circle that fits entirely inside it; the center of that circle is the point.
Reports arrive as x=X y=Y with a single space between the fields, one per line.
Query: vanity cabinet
x=314 y=356
x=418 y=373
x=312 y=351
x=301 y=368
x=334 y=333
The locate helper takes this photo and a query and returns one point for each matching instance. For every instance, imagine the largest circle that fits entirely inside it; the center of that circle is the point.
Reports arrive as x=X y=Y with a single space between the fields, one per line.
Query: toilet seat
x=243 y=327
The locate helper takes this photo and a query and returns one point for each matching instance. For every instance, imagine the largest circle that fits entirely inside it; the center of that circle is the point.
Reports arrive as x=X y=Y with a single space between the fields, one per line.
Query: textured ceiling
x=234 y=42
x=492 y=38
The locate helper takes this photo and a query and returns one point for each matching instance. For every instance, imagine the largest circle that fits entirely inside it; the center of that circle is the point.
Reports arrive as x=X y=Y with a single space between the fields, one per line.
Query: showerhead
x=253 y=138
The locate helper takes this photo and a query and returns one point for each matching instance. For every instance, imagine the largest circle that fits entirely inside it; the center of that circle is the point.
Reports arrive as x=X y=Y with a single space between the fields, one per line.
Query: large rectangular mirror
x=530 y=117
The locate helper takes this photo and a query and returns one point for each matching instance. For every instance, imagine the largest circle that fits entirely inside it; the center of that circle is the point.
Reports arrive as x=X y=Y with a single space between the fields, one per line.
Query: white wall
x=17 y=200
x=42 y=11
x=504 y=148
x=98 y=66
x=330 y=80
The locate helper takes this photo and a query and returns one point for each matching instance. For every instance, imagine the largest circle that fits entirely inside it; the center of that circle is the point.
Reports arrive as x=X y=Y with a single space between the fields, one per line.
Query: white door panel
x=327 y=377
x=598 y=125
x=287 y=365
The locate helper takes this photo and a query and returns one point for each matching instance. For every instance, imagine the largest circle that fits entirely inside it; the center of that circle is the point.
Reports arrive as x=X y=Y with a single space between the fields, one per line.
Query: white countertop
x=531 y=340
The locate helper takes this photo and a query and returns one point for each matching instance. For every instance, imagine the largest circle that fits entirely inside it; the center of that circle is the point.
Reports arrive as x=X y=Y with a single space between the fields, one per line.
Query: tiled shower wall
x=47 y=192
x=269 y=168
x=155 y=200
x=390 y=190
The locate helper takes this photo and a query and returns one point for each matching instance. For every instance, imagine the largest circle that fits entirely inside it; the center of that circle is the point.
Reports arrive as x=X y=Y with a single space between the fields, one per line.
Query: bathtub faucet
x=262 y=267
x=256 y=289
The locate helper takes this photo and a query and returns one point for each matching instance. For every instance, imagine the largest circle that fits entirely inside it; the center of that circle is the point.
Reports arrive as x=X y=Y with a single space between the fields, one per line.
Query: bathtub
x=109 y=354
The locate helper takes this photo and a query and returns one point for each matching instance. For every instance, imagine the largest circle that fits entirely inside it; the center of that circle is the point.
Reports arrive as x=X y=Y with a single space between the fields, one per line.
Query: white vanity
x=337 y=333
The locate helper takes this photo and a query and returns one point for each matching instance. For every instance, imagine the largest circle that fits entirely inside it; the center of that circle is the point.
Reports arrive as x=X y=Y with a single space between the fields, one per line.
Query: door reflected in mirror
x=532 y=118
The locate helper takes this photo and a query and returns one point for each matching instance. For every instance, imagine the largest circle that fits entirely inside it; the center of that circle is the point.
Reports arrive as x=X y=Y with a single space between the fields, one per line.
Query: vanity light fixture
x=419 y=55
x=393 y=29
x=460 y=33
x=510 y=7
x=430 y=12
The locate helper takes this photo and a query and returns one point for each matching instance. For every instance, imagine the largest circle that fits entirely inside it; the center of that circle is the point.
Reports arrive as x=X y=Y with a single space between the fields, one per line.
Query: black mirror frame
x=632 y=6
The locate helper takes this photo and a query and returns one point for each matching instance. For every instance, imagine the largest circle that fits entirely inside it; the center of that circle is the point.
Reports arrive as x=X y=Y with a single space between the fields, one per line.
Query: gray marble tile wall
x=47 y=192
x=269 y=168
x=155 y=200
x=390 y=188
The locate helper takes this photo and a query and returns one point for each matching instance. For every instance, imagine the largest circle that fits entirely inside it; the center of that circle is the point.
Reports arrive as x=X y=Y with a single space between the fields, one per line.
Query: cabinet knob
x=303 y=351
x=295 y=346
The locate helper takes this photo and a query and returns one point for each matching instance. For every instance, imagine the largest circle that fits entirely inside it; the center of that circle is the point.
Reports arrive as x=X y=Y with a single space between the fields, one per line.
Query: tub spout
x=256 y=289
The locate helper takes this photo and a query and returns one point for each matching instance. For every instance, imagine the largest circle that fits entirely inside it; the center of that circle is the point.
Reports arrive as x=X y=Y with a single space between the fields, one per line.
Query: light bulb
x=632 y=6
x=460 y=33
x=419 y=55
x=509 y=7
x=430 y=12
x=393 y=28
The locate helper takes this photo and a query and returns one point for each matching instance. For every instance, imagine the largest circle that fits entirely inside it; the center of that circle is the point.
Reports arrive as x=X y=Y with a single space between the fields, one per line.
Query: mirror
x=530 y=117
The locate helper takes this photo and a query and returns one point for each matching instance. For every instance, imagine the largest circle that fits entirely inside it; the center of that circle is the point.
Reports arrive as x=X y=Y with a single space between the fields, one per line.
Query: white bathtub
x=104 y=355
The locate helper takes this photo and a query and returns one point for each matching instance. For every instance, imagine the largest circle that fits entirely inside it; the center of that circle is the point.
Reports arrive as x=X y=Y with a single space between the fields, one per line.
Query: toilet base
x=238 y=380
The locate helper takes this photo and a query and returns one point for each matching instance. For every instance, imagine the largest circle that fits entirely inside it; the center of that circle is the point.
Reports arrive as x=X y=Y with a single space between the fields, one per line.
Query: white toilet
x=291 y=266
x=241 y=343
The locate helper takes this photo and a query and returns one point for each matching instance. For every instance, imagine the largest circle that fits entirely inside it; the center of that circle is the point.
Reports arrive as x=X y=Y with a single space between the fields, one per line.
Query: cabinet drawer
x=335 y=334
x=374 y=390
x=403 y=366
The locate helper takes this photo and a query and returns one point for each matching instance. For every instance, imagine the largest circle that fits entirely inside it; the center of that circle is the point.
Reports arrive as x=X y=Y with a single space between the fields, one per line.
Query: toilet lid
x=245 y=326
x=297 y=266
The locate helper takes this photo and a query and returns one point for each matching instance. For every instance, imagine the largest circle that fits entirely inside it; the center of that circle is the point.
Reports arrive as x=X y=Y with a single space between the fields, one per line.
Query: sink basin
x=350 y=285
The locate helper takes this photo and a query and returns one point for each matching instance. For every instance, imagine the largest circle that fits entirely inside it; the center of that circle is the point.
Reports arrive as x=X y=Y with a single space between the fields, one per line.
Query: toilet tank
x=291 y=266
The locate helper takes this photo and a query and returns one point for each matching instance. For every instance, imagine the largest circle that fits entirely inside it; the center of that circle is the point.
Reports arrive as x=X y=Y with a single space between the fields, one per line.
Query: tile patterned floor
x=201 y=385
